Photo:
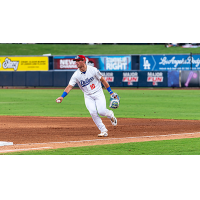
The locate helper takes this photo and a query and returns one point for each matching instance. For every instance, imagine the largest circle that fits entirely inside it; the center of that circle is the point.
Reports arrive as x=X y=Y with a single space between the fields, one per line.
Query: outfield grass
x=71 y=49
x=165 y=104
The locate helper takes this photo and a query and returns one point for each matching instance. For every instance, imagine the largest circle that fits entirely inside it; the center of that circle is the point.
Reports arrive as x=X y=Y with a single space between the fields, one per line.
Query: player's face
x=80 y=64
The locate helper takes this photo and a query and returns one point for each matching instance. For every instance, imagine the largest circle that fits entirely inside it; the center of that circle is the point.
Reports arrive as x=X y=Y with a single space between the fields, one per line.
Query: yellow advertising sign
x=24 y=63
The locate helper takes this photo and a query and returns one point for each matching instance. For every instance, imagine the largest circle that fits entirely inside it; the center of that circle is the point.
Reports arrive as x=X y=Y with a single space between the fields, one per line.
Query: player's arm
x=65 y=93
x=106 y=85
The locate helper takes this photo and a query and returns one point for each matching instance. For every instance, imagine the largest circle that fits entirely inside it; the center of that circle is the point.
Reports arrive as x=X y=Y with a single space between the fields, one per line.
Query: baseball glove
x=114 y=101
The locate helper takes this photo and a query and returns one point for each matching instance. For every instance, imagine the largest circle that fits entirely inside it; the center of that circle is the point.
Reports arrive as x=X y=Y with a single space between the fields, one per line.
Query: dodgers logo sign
x=169 y=62
x=146 y=63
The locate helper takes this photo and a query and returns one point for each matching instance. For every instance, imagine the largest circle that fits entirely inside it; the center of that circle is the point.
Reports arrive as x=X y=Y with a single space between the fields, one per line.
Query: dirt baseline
x=35 y=133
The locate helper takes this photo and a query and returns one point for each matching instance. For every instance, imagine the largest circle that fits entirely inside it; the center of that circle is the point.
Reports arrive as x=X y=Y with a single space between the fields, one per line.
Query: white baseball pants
x=96 y=104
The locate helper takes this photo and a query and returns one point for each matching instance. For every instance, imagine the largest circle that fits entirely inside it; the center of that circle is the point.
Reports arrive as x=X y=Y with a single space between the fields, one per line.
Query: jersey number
x=92 y=86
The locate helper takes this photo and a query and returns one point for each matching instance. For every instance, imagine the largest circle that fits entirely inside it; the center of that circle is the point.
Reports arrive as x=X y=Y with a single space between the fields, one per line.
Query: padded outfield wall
x=119 y=70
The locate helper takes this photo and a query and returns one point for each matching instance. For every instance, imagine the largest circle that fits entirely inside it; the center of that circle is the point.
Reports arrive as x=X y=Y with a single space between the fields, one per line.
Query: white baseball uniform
x=95 y=101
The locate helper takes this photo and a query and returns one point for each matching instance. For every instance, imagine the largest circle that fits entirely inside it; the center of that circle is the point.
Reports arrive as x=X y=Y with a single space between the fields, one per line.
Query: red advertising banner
x=67 y=63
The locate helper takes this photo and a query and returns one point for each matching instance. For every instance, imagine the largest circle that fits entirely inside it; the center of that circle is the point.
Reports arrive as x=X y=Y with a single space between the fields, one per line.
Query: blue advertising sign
x=115 y=63
x=153 y=79
x=130 y=79
x=173 y=78
x=113 y=78
x=169 y=62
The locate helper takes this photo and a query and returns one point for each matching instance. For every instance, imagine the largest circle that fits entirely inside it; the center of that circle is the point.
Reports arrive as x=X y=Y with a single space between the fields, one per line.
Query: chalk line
x=29 y=149
x=107 y=139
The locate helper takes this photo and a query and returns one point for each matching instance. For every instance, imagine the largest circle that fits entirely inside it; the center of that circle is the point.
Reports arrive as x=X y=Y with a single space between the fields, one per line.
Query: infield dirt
x=34 y=133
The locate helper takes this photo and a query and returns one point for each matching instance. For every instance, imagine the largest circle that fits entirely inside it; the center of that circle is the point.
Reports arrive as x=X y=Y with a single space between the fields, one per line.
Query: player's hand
x=113 y=95
x=59 y=99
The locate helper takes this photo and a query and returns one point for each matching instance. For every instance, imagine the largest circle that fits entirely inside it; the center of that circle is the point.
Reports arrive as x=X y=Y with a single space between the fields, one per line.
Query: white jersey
x=89 y=82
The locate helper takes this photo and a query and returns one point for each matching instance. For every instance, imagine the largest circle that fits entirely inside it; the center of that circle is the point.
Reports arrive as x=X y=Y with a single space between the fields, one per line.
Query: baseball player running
x=89 y=80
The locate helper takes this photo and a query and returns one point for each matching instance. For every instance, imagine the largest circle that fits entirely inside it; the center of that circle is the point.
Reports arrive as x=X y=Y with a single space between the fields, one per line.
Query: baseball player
x=89 y=80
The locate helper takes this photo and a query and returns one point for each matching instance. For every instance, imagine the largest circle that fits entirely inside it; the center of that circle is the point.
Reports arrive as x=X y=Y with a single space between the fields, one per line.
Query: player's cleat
x=103 y=134
x=113 y=120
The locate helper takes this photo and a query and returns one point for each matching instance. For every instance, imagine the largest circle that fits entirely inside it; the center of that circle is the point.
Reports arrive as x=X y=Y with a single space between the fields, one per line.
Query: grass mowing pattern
x=71 y=49
x=166 y=147
x=163 y=104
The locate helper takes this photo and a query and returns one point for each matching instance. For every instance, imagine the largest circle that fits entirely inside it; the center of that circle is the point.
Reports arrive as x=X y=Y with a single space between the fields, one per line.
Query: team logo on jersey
x=86 y=82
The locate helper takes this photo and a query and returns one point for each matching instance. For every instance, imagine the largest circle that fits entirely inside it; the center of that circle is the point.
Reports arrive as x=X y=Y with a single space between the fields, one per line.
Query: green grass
x=166 y=147
x=165 y=104
x=71 y=49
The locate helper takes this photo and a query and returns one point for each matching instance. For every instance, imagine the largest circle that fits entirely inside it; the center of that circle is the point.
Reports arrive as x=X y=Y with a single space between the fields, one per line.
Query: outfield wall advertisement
x=103 y=63
x=67 y=63
x=113 y=78
x=173 y=78
x=145 y=79
x=24 y=63
x=64 y=63
x=153 y=79
x=130 y=79
x=115 y=63
x=190 y=79
x=169 y=62
x=61 y=78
